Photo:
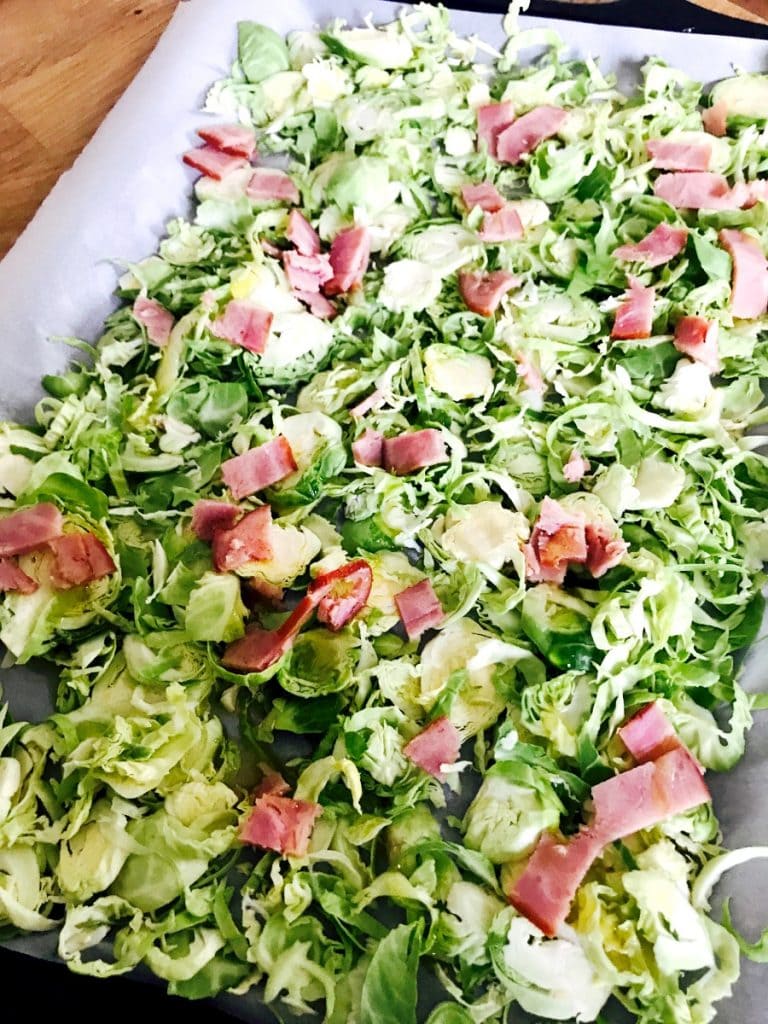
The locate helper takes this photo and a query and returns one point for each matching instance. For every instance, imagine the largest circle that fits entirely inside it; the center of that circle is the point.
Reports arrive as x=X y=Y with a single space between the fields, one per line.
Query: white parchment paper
x=111 y=207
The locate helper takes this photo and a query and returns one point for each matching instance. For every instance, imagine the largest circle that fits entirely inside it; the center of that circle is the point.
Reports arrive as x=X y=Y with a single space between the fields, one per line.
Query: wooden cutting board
x=65 y=63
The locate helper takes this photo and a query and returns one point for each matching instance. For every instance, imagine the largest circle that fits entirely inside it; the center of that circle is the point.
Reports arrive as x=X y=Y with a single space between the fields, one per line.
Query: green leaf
x=260 y=51
x=68 y=492
x=755 y=951
x=390 y=986
x=714 y=261
x=450 y=1013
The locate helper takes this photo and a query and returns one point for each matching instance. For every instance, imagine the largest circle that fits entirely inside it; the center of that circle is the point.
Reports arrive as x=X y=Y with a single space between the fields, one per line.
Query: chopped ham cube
x=604 y=549
x=503 y=226
x=79 y=558
x=660 y=246
x=249 y=540
x=648 y=734
x=280 y=824
x=350 y=253
x=749 y=294
x=342 y=593
x=482 y=293
x=715 y=119
x=576 y=467
x=307 y=274
x=483 y=195
x=235 y=139
x=212 y=162
x=368 y=449
x=634 y=317
x=545 y=890
x=528 y=132
x=372 y=401
x=492 y=119
x=12 y=577
x=29 y=529
x=411 y=451
x=558 y=540
x=301 y=234
x=696 y=338
x=697 y=190
x=244 y=324
x=435 y=748
x=154 y=318
x=319 y=306
x=419 y=609
x=271 y=185
x=210 y=516
x=258 y=468
x=668 y=155
x=647 y=795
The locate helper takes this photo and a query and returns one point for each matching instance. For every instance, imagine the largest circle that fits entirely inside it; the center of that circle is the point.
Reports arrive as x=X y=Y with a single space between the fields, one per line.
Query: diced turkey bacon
x=368 y=449
x=634 y=317
x=415 y=450
x=319 y=306
x=154 y=318
x=350 y=253
x=669 y=155
x=484 y=195
x=258 y=468
x=271 y=250
x=680 y=780
x=605 y=549
x=660 y=246
x=529 y=372
x=527 y=132
x=13 y=577
x=342 y=593
x=235 y=139
x=301 y=234
x=372 y=401
x=29 y=529
x=271 y=185
x=273 y=784
x=715 y=119
x=212 y=162
x=79 y=558
x=749 y=293
x=249 y=540
x=307 y=274
x=648 y=734
x=576 y=467
x=435 y=748
x=492 y=119
x=756 y=192
x=419 y=609
x=696 y=190
x=482 y=292
x=244 y=324
x=697 y=338
x=281 y=824
x=210 y=516
x=545 y=890
x=503 y=226
x=647 y=795
x=557 y=541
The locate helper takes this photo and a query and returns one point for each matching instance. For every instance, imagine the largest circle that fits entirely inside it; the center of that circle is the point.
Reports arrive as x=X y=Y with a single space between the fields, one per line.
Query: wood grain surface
x=64 y=64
